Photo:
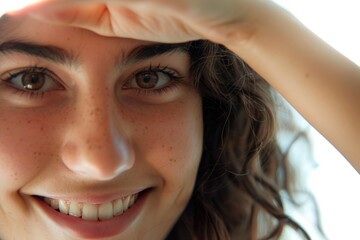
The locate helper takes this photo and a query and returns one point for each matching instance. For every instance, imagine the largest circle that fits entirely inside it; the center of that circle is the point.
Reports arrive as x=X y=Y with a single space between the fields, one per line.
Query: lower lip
x=94 y=229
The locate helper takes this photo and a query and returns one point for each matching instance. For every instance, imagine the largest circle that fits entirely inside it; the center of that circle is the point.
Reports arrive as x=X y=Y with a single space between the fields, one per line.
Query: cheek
x=22 y=148
x=171 y=142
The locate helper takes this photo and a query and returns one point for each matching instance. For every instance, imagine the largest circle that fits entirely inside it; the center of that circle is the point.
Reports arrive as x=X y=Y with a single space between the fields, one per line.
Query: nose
x=96 y=145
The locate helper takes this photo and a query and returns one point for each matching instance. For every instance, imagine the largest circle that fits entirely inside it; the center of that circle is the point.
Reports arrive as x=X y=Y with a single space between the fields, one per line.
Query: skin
x=319 y=82
x=323 y=85
x=70 y=142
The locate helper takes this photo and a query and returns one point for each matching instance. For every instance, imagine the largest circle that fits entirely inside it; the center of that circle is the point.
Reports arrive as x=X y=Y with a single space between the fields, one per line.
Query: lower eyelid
x=159 y=91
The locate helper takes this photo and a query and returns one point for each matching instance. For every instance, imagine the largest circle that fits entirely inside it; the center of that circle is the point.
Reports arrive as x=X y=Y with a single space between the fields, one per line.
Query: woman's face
x=101 y=138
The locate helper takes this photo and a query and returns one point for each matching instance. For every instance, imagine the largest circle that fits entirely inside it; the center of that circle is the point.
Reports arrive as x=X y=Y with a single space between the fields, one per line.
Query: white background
x=335 y=183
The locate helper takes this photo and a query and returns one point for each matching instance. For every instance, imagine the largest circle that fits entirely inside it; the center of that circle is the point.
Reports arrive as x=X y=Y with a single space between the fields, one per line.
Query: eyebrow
x=62 y=56
x=48 y=52
x=145 y=52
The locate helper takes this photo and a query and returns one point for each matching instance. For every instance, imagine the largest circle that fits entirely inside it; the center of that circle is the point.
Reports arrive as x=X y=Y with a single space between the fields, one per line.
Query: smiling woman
x=48 y=95
x=124 y=136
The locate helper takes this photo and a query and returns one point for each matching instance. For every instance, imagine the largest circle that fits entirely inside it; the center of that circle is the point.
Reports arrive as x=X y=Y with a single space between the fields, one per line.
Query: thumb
x=88 y=14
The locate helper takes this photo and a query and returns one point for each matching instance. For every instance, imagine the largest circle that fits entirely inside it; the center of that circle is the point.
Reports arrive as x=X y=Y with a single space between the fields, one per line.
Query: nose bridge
x=96 y=145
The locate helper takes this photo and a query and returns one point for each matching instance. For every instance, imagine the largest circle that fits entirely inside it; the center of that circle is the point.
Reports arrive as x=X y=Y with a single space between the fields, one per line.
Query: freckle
x=15 y=176
x=307 y=75
x=37 y=153
x=172 y=160
x=42 y=129
x=38 y=166
x=29 y=121
x=170 y=148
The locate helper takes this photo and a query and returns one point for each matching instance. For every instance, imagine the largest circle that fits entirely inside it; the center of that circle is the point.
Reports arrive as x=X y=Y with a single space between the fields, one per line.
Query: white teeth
x=93 y=212
x=126 y=203
x=118 y=207
x=64 y=207
x=106 y=211
x=75 y=209
x=132 y=200
x=54 y=203
x=48 y=201
x=90 y=212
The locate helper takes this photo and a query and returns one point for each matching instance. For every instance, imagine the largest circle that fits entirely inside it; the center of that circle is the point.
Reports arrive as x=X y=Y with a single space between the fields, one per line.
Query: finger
x=85 y=14
x=76 y=12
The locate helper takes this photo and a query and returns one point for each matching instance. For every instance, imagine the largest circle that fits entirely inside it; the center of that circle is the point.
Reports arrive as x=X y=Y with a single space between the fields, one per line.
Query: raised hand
x=155 y=20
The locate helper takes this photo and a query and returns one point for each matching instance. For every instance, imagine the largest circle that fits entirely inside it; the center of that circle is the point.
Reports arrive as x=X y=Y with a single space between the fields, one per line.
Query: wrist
x=257 y=25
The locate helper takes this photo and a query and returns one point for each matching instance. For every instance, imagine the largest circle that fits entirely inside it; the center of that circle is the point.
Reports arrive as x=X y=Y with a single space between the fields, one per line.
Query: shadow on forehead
x=4 y=19
x=5 y=27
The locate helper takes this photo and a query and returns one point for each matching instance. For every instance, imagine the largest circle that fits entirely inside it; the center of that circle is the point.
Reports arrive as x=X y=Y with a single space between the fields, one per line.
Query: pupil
x=147 y=78
x=34 y=79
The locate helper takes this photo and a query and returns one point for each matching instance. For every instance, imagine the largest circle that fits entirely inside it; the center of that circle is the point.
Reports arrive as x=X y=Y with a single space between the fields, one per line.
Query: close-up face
x=101 y=138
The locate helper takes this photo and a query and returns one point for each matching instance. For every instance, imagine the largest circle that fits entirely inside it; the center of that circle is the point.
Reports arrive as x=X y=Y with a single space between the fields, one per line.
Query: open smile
x=93 y=212
x=93 y=221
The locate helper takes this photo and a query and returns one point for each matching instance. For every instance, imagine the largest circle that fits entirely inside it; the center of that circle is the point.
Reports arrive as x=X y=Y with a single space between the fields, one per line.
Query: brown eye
x=152 y=80
x=147 y=80
x=33 y=80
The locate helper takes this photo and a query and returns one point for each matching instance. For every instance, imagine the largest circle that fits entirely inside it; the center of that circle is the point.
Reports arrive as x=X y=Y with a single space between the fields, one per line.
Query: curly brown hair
x=238 y=178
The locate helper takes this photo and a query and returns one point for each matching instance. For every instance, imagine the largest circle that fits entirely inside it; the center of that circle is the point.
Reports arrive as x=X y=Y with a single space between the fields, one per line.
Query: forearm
x=320 y=83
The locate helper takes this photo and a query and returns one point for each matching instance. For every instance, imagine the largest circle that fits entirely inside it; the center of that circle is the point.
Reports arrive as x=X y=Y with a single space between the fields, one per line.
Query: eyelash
x=174 y=80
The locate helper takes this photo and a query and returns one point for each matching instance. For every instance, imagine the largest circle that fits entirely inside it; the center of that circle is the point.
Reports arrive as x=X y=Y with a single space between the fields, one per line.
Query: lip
x=90 y=229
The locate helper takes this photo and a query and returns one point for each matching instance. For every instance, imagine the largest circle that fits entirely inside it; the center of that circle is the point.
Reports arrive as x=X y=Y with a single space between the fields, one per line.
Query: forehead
x=55 y=42
x=5 y=22
x=80 y=44
x=26 y=28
